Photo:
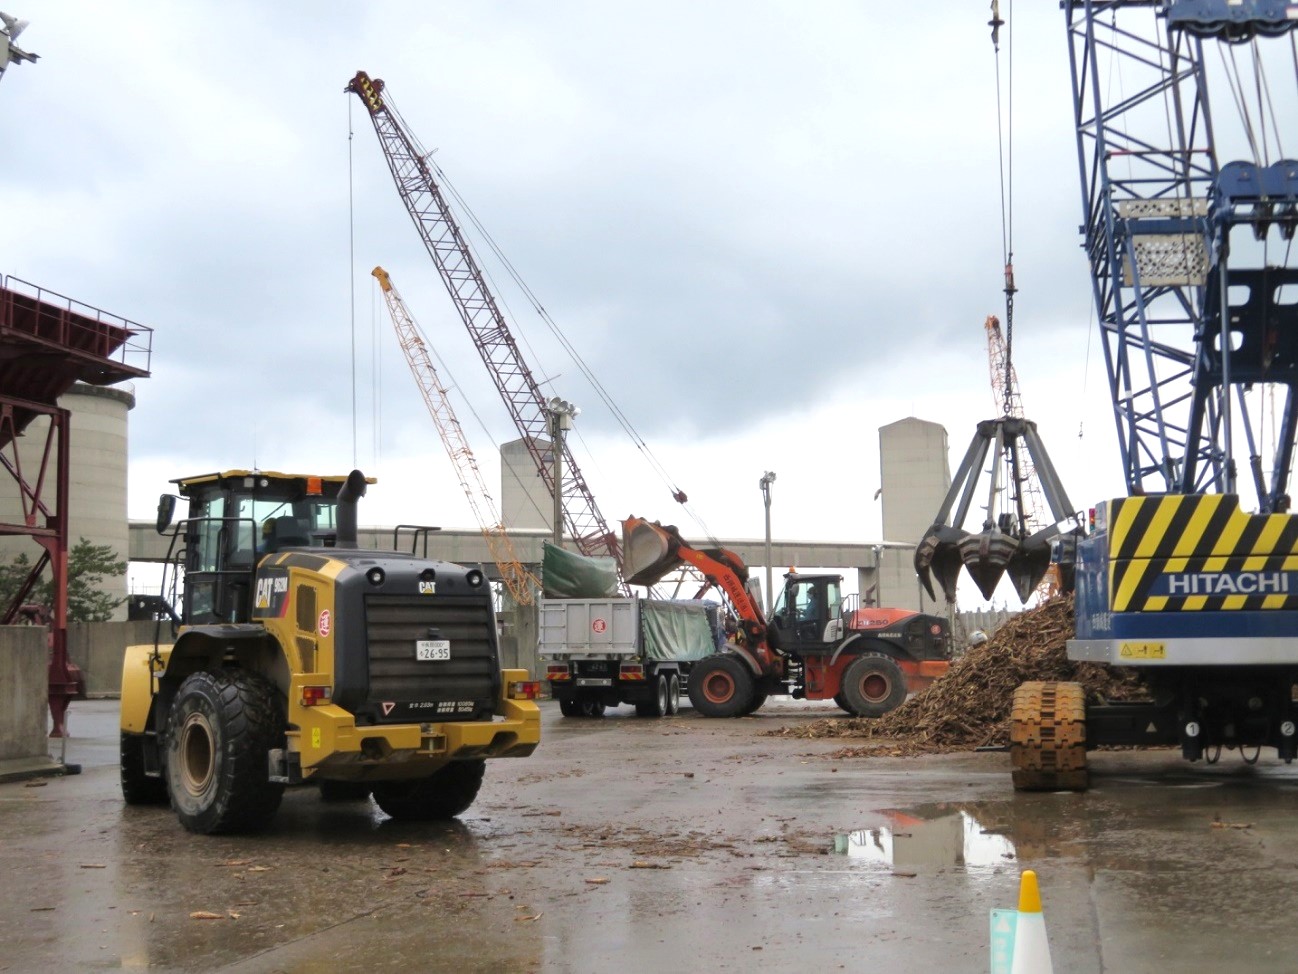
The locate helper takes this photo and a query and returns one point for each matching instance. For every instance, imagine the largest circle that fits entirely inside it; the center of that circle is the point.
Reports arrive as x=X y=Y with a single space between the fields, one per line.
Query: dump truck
x=301 y=659
x=605 y=652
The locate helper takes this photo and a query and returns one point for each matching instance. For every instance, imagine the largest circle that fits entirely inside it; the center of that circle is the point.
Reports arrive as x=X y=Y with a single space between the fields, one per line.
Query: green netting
x=675 y=631
x=568 y=575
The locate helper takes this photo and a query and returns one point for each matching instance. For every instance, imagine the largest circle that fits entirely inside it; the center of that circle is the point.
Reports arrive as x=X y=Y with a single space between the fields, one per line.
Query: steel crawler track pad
x=1005 y=543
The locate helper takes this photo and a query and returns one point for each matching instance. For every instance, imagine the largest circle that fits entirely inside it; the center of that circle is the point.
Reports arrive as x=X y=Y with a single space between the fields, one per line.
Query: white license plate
x=432 y=649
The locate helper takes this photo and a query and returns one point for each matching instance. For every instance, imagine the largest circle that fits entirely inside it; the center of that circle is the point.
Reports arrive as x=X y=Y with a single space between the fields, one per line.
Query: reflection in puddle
x=950 y=840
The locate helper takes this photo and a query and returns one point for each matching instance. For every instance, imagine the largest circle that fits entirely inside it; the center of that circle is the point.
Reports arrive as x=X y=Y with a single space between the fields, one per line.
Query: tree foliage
x=88 y=566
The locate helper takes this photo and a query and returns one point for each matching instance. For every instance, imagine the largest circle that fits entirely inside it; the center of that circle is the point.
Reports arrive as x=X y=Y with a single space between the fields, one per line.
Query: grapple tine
x=986 y=556
x=939 y=551
x=946 y=565
x=1027 y=567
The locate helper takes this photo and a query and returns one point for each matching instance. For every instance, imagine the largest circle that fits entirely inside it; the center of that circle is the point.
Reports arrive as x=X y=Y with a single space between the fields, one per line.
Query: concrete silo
x=97 y=475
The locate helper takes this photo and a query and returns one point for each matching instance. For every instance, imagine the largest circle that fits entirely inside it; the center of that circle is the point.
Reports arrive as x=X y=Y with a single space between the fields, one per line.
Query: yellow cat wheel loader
x=302 y=659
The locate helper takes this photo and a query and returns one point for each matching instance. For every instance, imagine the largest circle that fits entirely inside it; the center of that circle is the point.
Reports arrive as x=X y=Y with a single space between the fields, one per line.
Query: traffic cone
x=1031 y=948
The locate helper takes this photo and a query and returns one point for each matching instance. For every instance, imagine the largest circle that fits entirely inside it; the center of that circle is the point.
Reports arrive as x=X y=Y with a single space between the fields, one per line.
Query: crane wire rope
x=1005 y=156
x=351 y=262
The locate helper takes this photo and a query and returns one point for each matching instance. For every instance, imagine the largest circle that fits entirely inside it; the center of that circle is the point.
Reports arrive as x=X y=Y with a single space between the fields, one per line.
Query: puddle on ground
x=953 y=839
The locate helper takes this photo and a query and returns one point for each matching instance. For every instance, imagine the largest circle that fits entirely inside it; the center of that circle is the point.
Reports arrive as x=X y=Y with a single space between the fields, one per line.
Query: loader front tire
x=873 y=685
x=220 y=731
x=721 y=686
x=444 y=794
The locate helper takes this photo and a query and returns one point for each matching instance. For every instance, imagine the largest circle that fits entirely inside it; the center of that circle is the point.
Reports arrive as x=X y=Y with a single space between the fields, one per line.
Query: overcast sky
x=769 y=228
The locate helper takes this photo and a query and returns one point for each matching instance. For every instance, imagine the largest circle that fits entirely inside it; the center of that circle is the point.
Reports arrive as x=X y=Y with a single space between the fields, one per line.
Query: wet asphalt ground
x=636 y=845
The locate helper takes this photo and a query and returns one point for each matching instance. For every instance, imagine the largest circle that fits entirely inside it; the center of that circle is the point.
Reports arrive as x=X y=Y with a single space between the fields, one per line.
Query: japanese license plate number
x=432 y=649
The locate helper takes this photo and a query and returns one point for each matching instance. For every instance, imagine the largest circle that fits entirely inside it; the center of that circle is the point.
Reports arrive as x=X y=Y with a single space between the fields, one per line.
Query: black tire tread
x=444 y=794
x=858 y=705
x=137 y=787
x=251 y=710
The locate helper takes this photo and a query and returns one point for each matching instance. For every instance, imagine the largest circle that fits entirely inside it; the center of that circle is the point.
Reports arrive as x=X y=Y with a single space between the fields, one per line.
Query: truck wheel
x=137 y=787
x=673 y=694
x=344 y=791
x=658 y=706
x=873 y=685
x=570 y=708
x=720 y=686
x=221 y=728
x=591 y=708
x=444 y=794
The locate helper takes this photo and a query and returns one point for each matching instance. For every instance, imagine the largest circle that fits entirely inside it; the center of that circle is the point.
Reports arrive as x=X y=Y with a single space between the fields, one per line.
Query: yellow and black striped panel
x=1200 y=552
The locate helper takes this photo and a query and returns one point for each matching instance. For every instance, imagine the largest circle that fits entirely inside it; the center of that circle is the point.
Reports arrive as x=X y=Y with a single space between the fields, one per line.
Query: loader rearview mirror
x=166 y=511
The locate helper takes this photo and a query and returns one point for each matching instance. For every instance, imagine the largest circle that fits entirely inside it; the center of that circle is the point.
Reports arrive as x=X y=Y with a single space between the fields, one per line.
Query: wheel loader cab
x=804 y=610
x=236 y=518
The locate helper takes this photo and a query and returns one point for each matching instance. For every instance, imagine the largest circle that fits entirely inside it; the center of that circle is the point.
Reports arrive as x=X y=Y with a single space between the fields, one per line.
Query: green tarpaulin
x=673 y=631
x=568 y=575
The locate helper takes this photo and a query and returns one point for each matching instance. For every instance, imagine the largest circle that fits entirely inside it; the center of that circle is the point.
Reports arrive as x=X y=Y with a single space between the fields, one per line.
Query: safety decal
x=1200 y=552
x=325 y=625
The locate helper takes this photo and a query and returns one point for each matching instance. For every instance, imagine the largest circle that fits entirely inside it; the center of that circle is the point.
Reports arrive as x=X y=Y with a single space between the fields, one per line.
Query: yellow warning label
x=315 y=736
x=1143 y=651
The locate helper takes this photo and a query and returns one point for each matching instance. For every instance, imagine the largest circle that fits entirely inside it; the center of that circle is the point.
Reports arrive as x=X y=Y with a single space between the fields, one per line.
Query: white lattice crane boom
x=521 y=583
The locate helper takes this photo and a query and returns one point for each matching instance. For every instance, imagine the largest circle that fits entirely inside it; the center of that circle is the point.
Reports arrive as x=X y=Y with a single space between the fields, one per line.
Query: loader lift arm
x=652 y=550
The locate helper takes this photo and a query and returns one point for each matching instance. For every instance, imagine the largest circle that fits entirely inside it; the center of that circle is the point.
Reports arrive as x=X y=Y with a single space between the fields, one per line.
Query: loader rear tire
x=721 y=686
x=221 y=728
x=755 y=704
x=444 y=794
x=137 y=787
x=873 y=685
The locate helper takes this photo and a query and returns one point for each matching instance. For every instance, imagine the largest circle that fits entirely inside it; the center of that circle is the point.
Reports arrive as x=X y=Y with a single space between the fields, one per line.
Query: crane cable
x=586 y=371
x=1005 y=150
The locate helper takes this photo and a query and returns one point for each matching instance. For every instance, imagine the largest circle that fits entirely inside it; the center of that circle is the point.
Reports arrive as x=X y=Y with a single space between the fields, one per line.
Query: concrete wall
x=24 y=681
x=98 y=648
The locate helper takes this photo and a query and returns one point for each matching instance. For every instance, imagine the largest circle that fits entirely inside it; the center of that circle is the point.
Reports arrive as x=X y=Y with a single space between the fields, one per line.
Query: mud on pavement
x=683 y=843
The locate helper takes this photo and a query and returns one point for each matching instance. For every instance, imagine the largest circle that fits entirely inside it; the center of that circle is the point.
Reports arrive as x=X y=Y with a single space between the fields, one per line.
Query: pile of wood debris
x=970 y=706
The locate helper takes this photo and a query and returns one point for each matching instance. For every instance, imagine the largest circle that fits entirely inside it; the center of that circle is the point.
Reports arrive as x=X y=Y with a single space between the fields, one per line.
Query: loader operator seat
x=285 y=532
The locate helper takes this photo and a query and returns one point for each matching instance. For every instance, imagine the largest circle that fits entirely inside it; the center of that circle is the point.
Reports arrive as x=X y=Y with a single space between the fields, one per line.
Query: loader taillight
x=524 y=690
x=631 y=671
x=311 y=696
x=558 y=671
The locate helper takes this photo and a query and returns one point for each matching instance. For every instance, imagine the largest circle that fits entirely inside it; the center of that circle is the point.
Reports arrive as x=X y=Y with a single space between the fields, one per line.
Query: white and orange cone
x=1031 y=948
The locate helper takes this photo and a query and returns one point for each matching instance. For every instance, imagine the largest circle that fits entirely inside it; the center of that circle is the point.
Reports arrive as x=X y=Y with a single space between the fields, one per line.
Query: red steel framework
x=49 y=342
x=478 y=309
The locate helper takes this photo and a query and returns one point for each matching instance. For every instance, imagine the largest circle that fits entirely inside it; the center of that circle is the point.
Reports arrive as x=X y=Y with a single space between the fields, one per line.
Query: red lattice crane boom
x=521 y=583
x=491 y=334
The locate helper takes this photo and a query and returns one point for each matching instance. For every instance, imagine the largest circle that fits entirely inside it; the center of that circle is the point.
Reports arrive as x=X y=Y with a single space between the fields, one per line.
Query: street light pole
x=768 y=478
x=562 y=413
